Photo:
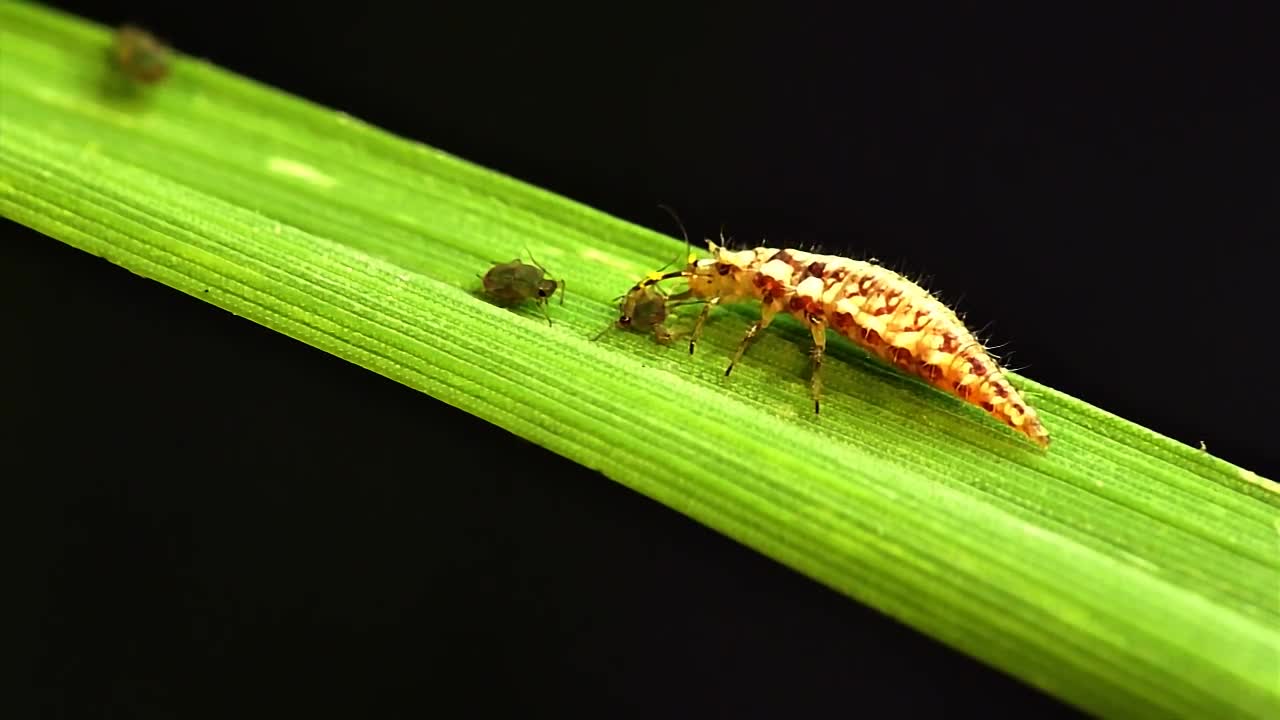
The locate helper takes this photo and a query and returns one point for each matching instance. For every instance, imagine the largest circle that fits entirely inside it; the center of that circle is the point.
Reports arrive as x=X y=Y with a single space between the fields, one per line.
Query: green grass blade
x=1121 y=571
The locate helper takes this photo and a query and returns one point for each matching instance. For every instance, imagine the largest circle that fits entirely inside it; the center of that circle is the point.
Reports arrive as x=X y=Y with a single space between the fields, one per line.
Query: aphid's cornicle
x=876 y=308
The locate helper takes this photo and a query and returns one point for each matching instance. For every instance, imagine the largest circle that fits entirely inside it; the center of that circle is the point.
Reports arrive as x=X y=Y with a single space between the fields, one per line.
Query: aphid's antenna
x=688 y=249
x=534 y=259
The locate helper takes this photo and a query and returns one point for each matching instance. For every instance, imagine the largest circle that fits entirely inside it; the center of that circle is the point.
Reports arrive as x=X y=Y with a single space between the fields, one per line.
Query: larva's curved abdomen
x=910 y=329
x=878 y=309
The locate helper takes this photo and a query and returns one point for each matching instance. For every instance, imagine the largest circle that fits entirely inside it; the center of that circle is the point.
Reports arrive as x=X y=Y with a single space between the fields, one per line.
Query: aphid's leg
x=766 y=316
x=662 y=335
x=702 y=319
x=818 y=327
x=561 y=293
x=542 y=303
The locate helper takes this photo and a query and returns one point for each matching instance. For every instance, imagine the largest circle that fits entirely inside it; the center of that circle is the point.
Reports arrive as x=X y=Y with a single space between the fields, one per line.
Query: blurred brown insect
x=515 y=282
x=141 y=55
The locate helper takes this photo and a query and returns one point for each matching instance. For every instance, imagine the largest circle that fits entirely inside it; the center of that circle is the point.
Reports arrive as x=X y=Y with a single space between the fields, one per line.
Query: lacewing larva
x=515 y=282
x=141 y=55
x=876 y=308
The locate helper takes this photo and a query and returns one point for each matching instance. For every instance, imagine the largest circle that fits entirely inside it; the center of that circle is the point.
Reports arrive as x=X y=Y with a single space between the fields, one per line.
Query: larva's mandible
x=876 y=308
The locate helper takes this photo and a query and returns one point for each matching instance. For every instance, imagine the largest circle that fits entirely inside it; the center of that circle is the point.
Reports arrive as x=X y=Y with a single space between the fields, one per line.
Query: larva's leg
x=702 y=319
x=766 y=316
x=818 y=327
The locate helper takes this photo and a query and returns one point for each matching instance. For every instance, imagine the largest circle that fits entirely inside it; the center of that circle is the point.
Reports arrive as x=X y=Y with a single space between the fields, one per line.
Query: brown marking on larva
x=724 y=268
x=767 y=288
x=817 y=268
x=797 y=303
x=758 y=280
x=841 y=321
x=771 y=289
x=977 y=368
x=902 y=357
x=783 y=255
x=891 y=300
x=930 y=372
x=950 y=343
x=987 y=406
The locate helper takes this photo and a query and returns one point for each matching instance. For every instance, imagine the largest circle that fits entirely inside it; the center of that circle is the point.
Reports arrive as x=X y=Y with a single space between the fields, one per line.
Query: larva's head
x=726 y=274
x=704 y=274
x=700 y=273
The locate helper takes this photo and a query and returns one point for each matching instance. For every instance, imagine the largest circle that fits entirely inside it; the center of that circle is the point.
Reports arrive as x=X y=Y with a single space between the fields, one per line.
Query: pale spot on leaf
x=597 y=256
x=299 y=171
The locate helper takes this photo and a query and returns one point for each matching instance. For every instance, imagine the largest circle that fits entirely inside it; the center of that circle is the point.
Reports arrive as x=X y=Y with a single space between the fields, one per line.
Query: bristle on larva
x=876 y=308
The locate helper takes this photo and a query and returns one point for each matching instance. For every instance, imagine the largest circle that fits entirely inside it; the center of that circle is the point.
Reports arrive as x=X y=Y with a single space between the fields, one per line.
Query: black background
x=1101 y=189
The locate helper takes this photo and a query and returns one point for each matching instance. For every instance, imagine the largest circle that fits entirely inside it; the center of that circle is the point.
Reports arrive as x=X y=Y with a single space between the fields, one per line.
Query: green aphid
x=515 y=282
